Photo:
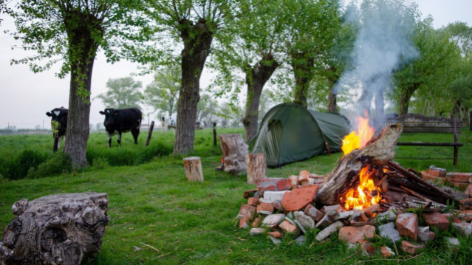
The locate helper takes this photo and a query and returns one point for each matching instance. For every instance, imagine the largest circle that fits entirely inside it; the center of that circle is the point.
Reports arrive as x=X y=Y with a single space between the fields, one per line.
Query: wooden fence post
x=214 y=134
x=150 y=133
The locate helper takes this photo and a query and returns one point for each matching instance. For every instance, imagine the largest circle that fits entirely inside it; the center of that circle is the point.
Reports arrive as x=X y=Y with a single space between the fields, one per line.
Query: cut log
x=193 y=168
x=234 y=151
x=55 y=229
x=377 y=152
x=256 y=167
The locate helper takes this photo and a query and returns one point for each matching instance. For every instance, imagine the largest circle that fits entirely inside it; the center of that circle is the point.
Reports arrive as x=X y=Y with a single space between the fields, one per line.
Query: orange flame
x=360 y=138
x=364 y=196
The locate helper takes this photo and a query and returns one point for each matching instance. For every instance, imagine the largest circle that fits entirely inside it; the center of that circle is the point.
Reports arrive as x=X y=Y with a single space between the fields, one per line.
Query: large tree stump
x=377 y=152
x=234 y=151
x=55 y=229
x=193 y=168
x=256 y=167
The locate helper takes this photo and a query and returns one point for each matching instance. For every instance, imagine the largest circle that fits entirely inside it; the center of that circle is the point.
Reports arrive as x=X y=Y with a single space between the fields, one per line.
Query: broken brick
x=256 y=222
x=465 y=204
x=371 y=210
x=386 y=252
x=411 y=248
x=323 y=234
x=436 y=219
x=465 y=215
x=256 y=231
x=427 y=176
x=265 y=208
x=459 y=177
x=289 y=227
x=299 y=198
x=247 y=210
x=368 y=248
x=275 y=234
x=436 y=172
x=304 y=173
x=244 y=222
x=407 y=225
x=252 y=201
x=468 y=191
x=274 y=184
x=338 y=208
x=314 y=213
x=272 y=196
x=273 y=220
x=424 y=234
x=354 y=234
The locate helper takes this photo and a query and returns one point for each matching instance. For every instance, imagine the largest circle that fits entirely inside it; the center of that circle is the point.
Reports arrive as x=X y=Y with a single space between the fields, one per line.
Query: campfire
x=365 y=183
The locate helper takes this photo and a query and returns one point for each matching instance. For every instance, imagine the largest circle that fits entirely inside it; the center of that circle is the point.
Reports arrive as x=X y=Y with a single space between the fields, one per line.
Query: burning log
x=376 y=154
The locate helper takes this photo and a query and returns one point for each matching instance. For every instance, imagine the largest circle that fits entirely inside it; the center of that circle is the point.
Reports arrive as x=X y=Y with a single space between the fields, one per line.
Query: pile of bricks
x=281 y=207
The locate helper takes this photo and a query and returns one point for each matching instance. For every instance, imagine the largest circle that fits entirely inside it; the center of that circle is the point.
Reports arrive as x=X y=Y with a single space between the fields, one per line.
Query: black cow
x=118 y=121
x=58 y=124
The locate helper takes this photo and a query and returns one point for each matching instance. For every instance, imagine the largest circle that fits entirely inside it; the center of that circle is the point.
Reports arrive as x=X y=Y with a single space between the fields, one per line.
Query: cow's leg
x=109 y=139
x=135 y=133
x=119 y=139
x=59 y=141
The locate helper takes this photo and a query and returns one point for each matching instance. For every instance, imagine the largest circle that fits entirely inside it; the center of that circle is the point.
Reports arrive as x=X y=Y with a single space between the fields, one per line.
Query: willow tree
x=71 y=32
x=310 y=28
x=253 y=46
x=191 y=26
x=436 y=51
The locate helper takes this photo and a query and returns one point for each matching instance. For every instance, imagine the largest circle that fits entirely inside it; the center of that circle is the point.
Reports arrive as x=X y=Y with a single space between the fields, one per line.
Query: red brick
x=252 y=201
x=386 y=252
x=288 y=227
x=299 y=198
x=465 y=204
x=407 y=225
x=256 y=222
x=303 y=180
x=304 y=173
x=468 y=191
x=294 y=181
x=274 y=184
x=275 y=234
x=427 y=176
x=247 y=210
x=368 y=247
x=436 y=219
x=277 y=205
x=459 y=177
x=436 y=173
x=459 y=185
x=314 y=213
x=373 y=209
x=354 y=234
x=456 y=221
x=411 y=248
x=244 y=222
x=465 y=215
x=265 y=208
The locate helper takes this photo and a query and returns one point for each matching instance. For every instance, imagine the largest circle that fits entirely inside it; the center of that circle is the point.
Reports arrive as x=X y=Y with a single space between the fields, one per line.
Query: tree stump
x=55 y=229
x=256 y=167
x=234 y=151
x=193 y=168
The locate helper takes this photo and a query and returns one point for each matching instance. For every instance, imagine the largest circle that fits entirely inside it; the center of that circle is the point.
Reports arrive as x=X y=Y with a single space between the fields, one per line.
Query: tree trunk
x=234 y=152
x=197 y=41
x=255 y=80
x=302 y=65
x=405 y=96
x=82 y=51
x=332 y=106
x=55 y=229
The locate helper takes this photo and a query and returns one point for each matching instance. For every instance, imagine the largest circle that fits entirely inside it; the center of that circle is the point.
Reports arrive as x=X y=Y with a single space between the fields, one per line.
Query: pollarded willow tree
x=194 y=25
x=310 y=28
x=122 y=93
x=70 y=31
x=254 y=46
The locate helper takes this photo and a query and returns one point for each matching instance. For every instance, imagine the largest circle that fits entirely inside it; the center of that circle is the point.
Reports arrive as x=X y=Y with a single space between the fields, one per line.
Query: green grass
x=151 y=202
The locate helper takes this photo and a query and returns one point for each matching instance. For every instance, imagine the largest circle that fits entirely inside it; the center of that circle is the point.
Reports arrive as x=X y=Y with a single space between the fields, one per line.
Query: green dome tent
x=289 y=133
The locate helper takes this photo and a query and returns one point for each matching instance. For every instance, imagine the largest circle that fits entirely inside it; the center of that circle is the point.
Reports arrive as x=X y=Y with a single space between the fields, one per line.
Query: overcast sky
x=25 y=97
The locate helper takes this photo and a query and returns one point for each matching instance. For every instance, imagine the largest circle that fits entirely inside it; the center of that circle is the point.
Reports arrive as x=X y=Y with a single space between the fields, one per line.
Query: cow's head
x=109 y=116
x=58 y=118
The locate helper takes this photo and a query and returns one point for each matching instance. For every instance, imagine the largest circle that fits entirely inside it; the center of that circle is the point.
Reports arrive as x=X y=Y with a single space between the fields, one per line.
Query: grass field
x=151 y=202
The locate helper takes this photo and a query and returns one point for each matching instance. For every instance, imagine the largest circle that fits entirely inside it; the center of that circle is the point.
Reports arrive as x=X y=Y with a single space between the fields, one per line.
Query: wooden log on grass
x=150 y=133
x=256 y=167
x=55 y=229
x=193 y=168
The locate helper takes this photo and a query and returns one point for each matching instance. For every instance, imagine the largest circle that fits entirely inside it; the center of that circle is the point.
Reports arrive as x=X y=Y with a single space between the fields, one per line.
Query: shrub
x=57 y=164
x=100 y=163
